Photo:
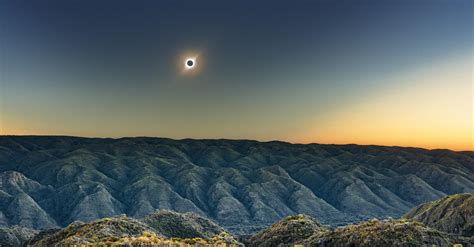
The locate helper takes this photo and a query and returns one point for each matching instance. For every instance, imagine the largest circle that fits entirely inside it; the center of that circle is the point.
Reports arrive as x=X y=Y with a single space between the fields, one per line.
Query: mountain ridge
x=237 y=140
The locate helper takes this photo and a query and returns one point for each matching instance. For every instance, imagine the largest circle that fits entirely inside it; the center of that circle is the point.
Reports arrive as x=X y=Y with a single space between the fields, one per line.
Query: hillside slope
x=453 y=214
x=386 y=233
x=242 y=185
x=288 y=231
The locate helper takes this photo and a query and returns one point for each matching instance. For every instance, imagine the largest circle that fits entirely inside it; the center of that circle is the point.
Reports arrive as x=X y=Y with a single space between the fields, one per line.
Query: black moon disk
x=190 y=63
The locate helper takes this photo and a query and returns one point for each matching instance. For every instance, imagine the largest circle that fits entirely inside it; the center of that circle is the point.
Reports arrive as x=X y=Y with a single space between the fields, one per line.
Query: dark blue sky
x=267 y=69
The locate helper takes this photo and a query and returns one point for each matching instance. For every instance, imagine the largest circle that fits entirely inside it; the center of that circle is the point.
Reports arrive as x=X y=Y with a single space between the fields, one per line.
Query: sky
x=365 y=72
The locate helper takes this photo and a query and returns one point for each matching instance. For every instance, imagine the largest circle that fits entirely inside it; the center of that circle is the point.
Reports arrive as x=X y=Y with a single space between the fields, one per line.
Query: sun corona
x=190 y=63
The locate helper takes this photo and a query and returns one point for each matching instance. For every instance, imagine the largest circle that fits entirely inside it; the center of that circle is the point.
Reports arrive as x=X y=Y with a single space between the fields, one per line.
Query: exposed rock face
x=453 y=214
x=289 y=231
x=386 y=233
x=244 y=186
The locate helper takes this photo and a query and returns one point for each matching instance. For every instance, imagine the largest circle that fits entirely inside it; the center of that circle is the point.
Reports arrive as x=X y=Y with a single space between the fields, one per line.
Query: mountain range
x=52 y=181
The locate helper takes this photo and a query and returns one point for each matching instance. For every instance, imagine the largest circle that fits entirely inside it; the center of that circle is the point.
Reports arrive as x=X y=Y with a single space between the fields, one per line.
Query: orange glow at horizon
x=431 y=109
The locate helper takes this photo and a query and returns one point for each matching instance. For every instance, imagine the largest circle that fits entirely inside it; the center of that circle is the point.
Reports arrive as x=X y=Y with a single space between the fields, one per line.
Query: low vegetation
x=151 y=239
x=390 y=232
x=290 y=230
x=125 y=231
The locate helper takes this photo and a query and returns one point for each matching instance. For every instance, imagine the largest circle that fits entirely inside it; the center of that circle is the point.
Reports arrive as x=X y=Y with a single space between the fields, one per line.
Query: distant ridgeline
x=50 y=182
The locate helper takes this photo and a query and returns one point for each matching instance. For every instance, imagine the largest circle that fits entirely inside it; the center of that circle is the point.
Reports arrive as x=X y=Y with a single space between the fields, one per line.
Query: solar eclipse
x=190 y=63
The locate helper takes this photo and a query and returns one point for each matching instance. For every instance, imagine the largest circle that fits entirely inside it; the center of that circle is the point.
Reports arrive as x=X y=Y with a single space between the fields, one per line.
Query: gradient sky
x=366 y=72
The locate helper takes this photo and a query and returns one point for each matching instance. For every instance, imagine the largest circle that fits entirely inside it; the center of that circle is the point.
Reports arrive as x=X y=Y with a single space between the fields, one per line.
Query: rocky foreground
x=450 y=228
x=167 y=228
x=162 y=227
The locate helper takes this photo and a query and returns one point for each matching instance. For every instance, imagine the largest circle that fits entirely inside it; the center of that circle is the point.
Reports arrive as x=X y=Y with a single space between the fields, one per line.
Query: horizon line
x=232 y=139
